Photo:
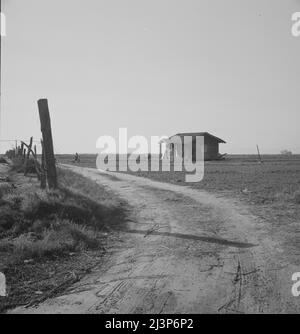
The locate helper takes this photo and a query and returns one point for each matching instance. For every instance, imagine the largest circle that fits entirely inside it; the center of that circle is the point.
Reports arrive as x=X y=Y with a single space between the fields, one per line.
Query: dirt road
x=182 y=251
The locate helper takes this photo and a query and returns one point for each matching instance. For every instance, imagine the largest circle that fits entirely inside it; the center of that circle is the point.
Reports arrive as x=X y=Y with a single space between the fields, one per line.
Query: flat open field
x=278 y=178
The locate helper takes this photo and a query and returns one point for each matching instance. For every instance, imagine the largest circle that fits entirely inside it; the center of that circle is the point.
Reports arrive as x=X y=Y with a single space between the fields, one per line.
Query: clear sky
x=157 y=67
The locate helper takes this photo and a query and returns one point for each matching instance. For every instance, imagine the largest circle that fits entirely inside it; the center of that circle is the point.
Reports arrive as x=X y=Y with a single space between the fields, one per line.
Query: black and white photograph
x=150 y=160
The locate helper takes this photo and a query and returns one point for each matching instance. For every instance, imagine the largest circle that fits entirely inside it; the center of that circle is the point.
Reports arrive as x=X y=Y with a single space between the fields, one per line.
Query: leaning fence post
x=43 y=169
x=28 y=155
x=22 y=149
x=48 y=143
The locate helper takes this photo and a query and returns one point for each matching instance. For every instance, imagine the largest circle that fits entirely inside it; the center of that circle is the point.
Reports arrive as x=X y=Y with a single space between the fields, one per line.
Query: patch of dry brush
x=39 y=226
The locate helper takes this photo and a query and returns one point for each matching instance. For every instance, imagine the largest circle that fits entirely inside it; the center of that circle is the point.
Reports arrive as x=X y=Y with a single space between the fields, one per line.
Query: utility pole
x=259 y=156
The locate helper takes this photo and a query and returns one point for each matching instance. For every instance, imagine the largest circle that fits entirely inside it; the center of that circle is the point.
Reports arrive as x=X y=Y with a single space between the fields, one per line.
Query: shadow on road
x=195 y=237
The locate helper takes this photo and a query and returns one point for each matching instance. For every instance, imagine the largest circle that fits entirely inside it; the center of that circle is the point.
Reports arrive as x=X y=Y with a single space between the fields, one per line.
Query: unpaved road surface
x=182 y=251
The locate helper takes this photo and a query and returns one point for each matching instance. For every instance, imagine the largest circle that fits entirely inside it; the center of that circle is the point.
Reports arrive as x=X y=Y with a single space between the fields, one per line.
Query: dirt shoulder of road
x=51 y=239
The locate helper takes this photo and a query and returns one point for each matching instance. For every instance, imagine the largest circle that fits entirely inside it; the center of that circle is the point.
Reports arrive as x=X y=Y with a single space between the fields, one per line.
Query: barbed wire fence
x=15 y=143
x=43 y=160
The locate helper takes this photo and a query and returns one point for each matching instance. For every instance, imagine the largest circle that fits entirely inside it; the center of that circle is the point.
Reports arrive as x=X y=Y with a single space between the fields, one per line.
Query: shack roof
x=194 y=134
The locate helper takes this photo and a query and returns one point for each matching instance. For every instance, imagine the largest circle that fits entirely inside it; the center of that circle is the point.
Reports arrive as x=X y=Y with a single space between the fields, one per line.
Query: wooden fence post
x=20 y=152
x=22 y=149
x=48 y=143
x=35 y=161
x=43 y=169
x=28 y=155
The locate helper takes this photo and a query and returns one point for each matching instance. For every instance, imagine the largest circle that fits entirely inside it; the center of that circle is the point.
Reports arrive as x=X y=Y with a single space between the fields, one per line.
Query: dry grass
x=19 y=167
x=40 y=223
x=54 y=241
x=3 y=160
x=53 y=227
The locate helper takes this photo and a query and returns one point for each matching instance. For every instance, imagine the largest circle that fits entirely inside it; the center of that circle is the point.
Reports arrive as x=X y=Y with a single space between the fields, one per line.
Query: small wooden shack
x=175 y=148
